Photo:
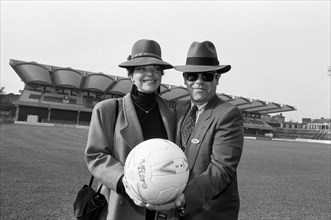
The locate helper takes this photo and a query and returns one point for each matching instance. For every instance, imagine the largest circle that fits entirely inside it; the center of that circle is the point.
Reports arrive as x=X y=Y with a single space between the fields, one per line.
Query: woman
x=142 y=115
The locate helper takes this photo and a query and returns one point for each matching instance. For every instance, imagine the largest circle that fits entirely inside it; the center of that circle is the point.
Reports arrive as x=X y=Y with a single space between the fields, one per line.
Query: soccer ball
x=155 y=172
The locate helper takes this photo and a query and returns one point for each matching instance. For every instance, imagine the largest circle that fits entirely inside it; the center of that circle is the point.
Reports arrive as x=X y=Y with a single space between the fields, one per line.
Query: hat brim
x=142 y=61
x=201 y=68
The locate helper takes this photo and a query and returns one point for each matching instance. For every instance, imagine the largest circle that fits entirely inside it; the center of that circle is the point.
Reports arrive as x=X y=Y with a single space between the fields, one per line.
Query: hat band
x=208 y=61
x=144 y=55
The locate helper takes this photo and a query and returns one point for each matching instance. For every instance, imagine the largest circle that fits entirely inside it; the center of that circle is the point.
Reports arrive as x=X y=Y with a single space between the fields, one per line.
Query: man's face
x=201 y=86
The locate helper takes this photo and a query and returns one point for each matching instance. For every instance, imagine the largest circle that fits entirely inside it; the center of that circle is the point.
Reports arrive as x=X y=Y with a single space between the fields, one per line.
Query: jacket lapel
x=130 y=128
x=169 y=125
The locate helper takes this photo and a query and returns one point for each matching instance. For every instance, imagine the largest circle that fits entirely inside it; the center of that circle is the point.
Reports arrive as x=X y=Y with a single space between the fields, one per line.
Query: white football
x=155 y=171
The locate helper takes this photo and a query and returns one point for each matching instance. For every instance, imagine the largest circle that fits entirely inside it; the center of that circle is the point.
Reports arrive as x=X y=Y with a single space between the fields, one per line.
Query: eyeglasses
x=205 y=76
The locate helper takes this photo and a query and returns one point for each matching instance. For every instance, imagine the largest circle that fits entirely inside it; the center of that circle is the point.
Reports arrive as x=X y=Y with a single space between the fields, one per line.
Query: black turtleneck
x=151 y=122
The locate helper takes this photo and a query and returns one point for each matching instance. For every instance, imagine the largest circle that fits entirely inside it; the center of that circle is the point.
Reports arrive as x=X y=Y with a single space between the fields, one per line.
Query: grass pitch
x=42 y=169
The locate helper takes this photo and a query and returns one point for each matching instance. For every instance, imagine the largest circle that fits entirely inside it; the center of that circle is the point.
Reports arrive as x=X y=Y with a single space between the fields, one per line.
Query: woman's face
x=147 y=78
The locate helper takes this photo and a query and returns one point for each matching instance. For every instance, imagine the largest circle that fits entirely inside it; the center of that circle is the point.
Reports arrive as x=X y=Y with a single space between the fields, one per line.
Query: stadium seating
x=66 y=95
x=30 y=96
x=302 y=133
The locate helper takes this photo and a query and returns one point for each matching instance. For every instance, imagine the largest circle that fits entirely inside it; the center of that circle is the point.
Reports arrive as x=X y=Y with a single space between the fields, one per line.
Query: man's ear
x=218 y=76
x=184 y=78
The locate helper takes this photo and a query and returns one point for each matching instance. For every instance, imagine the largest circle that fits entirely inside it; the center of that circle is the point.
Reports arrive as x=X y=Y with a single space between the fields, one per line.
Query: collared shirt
x=200 y=109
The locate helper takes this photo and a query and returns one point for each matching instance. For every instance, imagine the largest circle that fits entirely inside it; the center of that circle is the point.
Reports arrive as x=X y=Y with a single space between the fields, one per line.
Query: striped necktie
x=188 y=126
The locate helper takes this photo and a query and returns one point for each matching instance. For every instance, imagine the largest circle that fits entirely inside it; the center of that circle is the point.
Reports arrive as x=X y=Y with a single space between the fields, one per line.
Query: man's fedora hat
x=202 y=57
x=145 y=52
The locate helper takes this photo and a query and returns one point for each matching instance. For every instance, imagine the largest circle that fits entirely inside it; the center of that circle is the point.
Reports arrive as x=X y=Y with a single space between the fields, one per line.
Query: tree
x=2 y=90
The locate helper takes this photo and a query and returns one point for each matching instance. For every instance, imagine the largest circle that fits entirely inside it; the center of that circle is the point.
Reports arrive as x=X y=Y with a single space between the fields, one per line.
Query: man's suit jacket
x=108 y=146
x=213 y=152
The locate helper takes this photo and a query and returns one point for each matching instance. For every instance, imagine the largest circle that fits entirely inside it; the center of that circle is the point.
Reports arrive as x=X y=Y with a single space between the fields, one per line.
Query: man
x=215 y=145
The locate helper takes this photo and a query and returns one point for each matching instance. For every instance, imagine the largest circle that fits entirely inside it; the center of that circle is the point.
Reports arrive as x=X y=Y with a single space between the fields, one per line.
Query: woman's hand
x=132 y=196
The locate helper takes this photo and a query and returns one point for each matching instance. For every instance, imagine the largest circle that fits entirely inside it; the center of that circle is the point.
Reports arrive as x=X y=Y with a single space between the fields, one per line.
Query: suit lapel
x=197 y=136
x=204 y=122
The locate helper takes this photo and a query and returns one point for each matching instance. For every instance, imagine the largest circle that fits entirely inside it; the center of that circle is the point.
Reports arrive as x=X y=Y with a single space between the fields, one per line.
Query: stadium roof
x=35 y=73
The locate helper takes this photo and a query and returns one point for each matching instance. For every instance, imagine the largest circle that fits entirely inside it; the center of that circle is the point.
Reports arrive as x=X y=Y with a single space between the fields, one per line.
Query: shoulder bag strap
x=91 y=181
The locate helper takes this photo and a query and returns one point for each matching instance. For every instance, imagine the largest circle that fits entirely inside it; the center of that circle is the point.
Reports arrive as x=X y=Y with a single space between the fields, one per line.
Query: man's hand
x=178 y=202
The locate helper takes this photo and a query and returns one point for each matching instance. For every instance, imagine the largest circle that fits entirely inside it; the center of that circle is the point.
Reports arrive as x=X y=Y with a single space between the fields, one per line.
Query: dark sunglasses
x=205 y=76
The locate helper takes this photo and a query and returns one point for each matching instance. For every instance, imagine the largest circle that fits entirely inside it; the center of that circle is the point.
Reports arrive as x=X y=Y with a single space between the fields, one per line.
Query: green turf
x=42 y=169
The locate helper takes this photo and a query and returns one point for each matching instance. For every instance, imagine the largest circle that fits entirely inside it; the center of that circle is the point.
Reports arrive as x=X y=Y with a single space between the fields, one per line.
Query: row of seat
x=39 y=97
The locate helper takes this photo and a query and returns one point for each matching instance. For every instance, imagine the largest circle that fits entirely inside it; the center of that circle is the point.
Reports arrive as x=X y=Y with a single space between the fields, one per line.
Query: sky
x=279 y=50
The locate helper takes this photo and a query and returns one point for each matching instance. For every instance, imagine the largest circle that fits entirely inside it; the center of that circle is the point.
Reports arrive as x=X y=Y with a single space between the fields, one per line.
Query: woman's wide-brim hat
x=145 y=52
x=202 y=57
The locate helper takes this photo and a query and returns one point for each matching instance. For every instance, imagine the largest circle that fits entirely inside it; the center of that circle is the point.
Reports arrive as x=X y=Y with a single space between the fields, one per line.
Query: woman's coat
x=108 y=146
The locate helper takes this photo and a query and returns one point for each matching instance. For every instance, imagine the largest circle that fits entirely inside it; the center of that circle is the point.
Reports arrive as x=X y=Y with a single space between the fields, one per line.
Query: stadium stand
x=302 y=133
x=67 y=96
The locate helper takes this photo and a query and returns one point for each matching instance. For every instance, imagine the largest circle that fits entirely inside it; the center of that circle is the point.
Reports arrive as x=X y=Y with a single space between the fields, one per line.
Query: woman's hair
x=130 y=70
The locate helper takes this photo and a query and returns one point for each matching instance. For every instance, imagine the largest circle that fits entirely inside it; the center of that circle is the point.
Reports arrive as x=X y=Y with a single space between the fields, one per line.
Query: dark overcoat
x=108 y=146
x=213 y=152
